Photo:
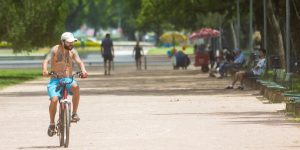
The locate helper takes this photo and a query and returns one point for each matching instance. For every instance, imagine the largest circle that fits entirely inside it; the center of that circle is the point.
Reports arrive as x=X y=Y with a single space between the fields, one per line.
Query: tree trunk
x=295 y=28
x=276 y=45
x=158 y=32
x=233 y=34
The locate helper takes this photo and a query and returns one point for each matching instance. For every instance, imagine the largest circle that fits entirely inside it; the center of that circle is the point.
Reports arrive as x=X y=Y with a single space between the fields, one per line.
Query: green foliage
x=31 y=23
x=5 y=45
x=75 y=16
x=188 y=14
x=213 y=20
x=88 y=44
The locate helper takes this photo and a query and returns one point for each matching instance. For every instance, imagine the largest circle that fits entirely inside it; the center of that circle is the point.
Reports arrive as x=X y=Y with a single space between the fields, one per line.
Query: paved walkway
x=150 y=110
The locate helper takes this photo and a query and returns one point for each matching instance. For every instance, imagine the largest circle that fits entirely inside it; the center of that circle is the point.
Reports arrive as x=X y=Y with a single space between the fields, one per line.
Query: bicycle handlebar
x=56 y=74
x=77 y=73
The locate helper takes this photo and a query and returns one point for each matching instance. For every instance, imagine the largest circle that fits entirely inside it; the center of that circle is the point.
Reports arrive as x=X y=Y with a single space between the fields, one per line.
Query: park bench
x=274 y=91
x=292 y=97
x=266 y=84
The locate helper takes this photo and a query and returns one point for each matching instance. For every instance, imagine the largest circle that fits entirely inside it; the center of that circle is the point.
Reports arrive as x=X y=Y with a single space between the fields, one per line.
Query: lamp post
x=238 y=23
x=251 y=26
x=265 y=25
x=287 y=36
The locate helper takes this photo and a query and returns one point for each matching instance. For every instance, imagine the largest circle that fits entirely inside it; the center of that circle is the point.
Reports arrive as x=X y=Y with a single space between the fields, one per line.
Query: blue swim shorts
x=54 y=83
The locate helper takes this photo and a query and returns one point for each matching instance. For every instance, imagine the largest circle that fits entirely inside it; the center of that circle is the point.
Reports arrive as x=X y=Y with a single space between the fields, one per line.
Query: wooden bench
x=267 y=84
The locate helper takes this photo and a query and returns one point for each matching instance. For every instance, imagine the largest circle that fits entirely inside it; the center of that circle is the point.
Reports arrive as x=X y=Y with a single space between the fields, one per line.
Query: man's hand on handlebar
x=45 y=73
x=83 y=74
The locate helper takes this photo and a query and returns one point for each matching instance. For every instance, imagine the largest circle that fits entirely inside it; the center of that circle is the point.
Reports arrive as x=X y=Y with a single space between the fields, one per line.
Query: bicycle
x=64 y=121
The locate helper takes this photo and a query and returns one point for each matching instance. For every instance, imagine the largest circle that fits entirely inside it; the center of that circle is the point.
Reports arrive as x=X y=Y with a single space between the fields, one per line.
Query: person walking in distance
x=107 y=52
x=138 y=53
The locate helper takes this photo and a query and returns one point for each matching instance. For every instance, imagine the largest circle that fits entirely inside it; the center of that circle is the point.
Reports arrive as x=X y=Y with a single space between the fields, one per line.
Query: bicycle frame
x=64 y=120
x=65 y=97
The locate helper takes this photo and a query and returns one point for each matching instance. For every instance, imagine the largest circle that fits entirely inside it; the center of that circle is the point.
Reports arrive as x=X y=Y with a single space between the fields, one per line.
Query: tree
x=75 y=15
x=25 y=26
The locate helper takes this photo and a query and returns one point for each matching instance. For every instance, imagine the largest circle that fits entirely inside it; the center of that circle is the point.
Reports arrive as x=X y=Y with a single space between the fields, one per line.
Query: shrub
x=4 y=44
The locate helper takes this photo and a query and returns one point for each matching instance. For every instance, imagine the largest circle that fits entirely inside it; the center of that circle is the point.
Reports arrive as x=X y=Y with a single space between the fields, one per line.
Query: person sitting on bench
x=238 y=62
x=254 y=72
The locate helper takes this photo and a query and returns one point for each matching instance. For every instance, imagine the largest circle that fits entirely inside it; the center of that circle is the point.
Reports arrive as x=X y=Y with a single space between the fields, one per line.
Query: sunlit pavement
x=149 y=110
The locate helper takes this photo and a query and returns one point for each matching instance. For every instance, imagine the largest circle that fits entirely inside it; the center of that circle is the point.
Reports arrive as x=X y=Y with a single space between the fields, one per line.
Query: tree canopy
x=27 y=24
x=31 y=23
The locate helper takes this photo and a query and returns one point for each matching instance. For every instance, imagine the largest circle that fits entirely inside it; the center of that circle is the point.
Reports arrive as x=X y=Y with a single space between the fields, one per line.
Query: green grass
x=15 y=76
x=163 y=51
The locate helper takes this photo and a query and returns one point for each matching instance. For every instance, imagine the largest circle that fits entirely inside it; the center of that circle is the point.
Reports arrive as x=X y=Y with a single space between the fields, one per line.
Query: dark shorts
x=137 y=57
x=107 y=57
x=250 y=74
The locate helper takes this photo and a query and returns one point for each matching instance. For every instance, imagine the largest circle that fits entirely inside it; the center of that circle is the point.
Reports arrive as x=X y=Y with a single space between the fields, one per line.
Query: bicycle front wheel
x=61 y=123
x=64 y=125
x=67 y=121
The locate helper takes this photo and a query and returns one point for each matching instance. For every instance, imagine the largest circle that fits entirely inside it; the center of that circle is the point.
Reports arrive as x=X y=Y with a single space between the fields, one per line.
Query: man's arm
x=112 y=49
x=133 y=52
x=46 y=60
x=260 y=64
x=240 y=59
x=80 y=64
x=101 y=48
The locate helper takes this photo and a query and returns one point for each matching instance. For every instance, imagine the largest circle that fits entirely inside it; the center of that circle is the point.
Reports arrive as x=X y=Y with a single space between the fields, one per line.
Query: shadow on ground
x=39 y=147
x=157 y=83
x=248 y=117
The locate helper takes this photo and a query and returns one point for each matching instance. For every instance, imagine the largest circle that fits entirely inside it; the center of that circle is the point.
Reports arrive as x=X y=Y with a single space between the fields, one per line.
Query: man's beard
x=68 y=47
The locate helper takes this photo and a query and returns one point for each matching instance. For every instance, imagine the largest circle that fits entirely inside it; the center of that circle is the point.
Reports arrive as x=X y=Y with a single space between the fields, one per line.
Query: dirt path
x=150 y=110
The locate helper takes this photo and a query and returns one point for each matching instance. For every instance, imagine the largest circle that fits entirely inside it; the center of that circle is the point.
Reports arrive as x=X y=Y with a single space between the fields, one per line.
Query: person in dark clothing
x=236 y=64
x=138 y=53
x=182 y=60
x=107 y=52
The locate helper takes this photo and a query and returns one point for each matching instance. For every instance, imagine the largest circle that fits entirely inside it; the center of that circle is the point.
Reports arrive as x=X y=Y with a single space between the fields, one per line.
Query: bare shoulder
x=74 y=54
x=74 y=51
x=54 y=49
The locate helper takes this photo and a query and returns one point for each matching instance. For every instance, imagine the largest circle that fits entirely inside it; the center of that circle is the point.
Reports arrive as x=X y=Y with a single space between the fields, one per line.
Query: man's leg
x=75 y=100
x=137 y=64
x=140 y=63
x=236 y=77
x=226 y=68
x=52 y=109
x=109 y=67
x=223 y=69
x=52 y=112
x=242 y=78
x=105 y=67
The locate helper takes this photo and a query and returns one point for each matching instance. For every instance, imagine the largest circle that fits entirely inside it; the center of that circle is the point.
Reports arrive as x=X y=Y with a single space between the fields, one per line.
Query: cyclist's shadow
x=39 y=147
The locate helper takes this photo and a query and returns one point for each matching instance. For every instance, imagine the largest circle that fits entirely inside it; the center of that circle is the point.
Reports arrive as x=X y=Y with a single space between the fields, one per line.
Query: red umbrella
x=205 y=33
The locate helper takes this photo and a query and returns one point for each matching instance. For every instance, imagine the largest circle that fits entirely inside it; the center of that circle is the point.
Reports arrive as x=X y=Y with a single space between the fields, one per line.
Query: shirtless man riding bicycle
x=61 y=57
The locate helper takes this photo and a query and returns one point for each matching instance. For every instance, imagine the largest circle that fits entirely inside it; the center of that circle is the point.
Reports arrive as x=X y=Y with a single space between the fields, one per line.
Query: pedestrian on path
x=61 y=57
x=107 y=51
x=138 y=54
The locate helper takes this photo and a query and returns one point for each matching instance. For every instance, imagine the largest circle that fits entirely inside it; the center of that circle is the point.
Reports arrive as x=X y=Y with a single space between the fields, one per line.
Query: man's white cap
x=68 y=36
